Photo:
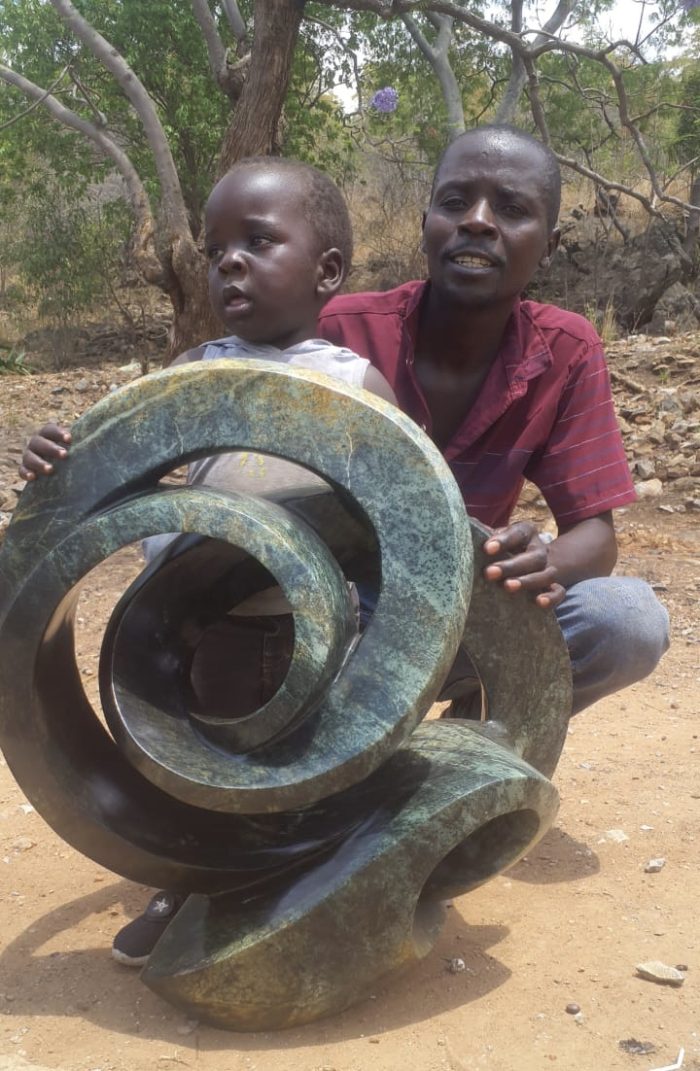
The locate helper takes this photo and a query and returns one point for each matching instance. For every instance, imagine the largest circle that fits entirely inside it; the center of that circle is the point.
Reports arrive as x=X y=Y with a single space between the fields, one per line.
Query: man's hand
x=528 y=567
x=45 y=447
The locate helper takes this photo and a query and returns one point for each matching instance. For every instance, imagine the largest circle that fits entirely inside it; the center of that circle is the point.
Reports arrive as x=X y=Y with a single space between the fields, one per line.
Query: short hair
x=551 y=173
x=325 y=209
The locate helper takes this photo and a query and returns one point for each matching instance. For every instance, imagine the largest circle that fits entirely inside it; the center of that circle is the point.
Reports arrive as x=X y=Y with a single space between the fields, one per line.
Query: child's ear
x=330 y=272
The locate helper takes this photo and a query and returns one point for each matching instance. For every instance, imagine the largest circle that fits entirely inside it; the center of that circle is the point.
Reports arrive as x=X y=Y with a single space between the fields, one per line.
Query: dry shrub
x=386 y=205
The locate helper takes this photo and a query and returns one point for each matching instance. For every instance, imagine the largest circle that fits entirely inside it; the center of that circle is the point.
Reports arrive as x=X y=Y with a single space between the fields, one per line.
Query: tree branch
x=351 y=54
x=235 y=20
x=215 y=46
x=173 y=202
x=438 y=58
x=138 y=198
x=519 y=73
x=40 y=100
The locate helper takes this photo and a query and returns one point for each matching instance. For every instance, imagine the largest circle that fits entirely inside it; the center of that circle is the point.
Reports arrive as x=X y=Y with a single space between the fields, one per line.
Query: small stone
x=188 y=1027
x=22 y=844
x=26 y=808
x=682 y=967
x=649 y=488
x=373 y=1041
x=654 y=866
x=637 y=1048
x=82 y=385
x=617 y=836
x=579 y=1018
x=573 y=1009
x=645 y=469
x=666 y=508
x=456 y=965
x=655 y=971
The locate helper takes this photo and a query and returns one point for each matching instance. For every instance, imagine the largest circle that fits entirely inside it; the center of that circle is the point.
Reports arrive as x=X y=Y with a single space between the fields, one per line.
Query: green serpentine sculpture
x=318 y=836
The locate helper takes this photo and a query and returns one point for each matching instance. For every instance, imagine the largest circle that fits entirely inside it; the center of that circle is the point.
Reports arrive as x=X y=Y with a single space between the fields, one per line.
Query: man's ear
x=552 y=246
x=329 y=273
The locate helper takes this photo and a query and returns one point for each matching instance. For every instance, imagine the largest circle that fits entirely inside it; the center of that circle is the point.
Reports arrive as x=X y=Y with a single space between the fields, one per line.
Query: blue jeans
x=615 y=628
x=616 y=631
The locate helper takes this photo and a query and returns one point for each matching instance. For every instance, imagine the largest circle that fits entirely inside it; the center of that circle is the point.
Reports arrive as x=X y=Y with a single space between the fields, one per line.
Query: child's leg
x=240 y=663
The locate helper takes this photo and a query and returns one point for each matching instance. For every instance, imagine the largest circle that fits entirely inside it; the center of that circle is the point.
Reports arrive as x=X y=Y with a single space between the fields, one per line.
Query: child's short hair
x=325 y=209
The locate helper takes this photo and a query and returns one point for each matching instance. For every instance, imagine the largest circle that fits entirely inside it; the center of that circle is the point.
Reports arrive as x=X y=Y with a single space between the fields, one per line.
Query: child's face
x=267 y=278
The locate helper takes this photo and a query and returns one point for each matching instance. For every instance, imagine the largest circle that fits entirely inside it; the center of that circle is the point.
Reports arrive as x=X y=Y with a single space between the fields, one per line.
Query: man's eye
x=516 y=211
x=453 y=203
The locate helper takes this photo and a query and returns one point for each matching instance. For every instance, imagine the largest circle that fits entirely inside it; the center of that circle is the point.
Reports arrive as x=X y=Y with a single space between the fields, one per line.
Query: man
x=512 y=390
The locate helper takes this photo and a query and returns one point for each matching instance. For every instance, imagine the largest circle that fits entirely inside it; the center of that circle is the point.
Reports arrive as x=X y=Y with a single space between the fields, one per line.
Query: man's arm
x=580 y=552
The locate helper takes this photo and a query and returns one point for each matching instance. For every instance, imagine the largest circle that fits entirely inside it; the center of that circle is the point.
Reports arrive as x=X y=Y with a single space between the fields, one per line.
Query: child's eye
x=213 y=252
x=257 y=241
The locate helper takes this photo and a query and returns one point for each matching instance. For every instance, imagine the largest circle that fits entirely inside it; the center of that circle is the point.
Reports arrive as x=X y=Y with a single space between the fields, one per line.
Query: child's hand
x=48 y=445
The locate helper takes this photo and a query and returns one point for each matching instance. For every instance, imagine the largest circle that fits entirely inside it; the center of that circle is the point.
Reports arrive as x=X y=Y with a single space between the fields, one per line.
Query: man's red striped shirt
x=544 y=413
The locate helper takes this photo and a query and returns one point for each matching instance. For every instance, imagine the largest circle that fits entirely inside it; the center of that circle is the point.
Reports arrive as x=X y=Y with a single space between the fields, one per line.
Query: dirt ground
x=567 y=925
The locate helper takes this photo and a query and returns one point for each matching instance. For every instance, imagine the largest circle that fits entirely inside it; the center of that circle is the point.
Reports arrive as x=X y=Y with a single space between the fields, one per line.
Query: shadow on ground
x=558 y=857
x=86 y=983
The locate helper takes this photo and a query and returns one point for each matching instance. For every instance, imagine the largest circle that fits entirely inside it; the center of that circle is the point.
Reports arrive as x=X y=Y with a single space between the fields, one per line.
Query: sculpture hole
x=487 y=851
x=88 y=609
x=221 y=672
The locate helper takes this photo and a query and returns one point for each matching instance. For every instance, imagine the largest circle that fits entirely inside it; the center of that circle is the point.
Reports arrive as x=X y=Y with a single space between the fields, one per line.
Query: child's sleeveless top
x=257 y=474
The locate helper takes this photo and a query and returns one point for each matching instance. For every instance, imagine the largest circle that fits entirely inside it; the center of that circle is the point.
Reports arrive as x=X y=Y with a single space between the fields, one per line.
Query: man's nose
x=479 y=217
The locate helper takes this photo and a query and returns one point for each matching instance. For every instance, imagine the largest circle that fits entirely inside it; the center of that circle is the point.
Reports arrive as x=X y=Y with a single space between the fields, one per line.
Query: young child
x=279 y=242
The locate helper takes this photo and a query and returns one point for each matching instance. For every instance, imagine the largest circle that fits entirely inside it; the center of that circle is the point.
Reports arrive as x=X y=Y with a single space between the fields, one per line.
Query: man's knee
x=616 y=630
x=623 y=609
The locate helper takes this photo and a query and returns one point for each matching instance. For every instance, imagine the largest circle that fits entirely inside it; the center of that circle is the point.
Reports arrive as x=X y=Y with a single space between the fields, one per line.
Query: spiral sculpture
x=317 y=836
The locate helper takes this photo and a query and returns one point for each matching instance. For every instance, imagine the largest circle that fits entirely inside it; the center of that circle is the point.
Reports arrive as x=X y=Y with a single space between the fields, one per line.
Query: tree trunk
x=692 y=230
x=253 y=131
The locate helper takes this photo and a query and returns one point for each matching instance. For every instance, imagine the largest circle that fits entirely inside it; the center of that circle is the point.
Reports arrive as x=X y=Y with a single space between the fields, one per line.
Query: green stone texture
x=318 y=834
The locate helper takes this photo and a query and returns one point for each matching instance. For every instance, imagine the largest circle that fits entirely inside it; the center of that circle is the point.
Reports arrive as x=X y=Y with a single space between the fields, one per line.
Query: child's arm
x=48 y=445
x=51 y=443
x=375 y=382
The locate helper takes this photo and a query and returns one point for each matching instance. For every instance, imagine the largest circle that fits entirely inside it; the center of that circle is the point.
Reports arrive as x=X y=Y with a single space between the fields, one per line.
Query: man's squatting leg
x=616 y=631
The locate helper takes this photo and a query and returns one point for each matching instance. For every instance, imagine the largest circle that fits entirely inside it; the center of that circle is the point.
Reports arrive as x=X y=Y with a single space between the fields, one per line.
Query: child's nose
x=232 y=261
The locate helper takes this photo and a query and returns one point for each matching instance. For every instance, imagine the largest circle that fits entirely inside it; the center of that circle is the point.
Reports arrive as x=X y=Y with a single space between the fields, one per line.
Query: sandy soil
x=566 y=925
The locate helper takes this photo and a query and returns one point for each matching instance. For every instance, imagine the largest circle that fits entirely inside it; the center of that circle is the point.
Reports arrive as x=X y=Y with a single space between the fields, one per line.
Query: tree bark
x=439 y=59
x=692 y=230
x=253 y=131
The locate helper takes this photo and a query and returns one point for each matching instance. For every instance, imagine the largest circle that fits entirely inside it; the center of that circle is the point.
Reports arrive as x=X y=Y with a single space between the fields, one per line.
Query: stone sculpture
x=318 y=836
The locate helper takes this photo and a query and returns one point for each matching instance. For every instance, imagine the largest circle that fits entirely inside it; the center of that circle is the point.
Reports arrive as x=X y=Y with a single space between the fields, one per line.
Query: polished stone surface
x=329 y=823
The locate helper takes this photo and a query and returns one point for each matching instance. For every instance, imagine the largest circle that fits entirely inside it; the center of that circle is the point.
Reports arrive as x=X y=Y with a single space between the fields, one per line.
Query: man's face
x=486 y=231
x=264 y=262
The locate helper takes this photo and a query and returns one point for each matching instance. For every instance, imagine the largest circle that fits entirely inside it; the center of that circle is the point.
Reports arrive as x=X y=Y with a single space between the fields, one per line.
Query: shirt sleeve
x=582 y=470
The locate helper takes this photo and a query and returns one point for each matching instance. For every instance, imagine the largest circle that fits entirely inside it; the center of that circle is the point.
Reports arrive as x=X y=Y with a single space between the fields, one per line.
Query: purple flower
x=386 y=100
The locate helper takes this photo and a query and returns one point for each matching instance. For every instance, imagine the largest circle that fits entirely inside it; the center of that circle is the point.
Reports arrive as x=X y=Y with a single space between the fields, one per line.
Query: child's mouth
x=235 y=300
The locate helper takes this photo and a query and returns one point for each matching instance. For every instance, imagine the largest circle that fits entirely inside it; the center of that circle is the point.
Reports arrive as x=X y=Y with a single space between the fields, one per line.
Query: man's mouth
x=473 y=260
